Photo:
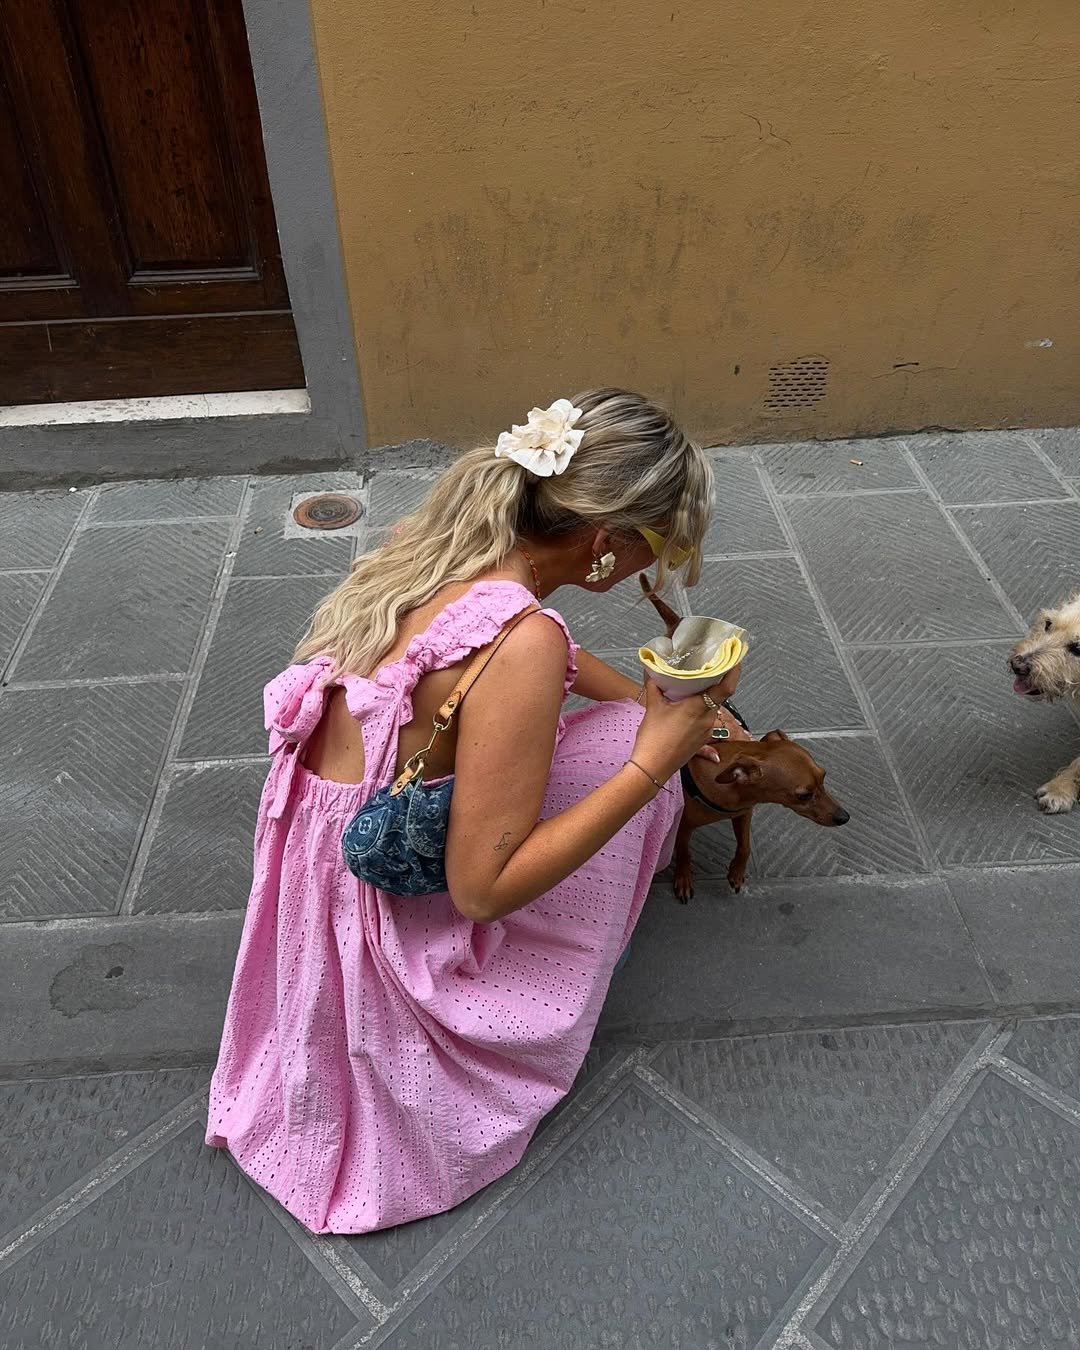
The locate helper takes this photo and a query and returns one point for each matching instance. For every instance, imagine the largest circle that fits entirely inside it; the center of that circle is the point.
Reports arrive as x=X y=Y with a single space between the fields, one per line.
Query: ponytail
x=633 y=467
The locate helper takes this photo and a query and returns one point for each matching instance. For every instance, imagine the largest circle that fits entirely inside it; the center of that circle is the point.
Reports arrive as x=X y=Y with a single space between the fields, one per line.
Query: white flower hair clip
x=546 y=443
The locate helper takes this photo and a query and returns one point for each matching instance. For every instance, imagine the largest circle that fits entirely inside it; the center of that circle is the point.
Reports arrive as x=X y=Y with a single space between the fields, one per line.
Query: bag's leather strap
x=476 y=669
x=414 y=765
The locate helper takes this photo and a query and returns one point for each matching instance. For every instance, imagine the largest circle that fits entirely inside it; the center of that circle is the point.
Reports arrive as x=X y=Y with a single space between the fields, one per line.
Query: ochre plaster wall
x=538 y=195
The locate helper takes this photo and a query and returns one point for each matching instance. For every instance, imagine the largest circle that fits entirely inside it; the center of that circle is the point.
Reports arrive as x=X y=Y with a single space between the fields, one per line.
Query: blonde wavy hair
x=634 y=467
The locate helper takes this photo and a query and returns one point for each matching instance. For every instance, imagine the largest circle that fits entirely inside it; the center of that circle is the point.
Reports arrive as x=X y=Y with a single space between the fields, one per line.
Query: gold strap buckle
x=414 y=765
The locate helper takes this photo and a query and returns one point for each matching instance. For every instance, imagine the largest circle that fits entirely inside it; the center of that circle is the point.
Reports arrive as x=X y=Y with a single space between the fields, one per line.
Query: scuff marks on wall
x=538 y=197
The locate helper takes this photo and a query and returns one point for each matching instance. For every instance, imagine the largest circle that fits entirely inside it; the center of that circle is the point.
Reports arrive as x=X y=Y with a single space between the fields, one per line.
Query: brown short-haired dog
x=750 y=773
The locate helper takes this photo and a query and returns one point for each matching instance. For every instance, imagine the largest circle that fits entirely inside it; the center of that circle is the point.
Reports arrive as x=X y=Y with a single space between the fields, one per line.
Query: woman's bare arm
x=603 y=683
x=499 y=855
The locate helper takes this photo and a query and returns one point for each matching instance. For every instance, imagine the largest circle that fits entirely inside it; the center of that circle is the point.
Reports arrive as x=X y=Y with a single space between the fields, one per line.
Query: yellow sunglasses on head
x=658 y=543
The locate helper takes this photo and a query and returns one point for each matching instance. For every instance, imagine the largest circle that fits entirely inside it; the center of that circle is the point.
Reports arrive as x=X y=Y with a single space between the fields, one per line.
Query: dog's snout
x=841 y=817
x=1020 y=665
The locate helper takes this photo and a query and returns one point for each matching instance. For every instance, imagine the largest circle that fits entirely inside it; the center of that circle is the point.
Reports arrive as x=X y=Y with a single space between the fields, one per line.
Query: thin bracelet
x=641 y=697
x=662 y=786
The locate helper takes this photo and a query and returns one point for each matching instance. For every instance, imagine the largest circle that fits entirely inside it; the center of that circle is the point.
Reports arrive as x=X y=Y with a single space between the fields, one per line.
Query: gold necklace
x=532 y=568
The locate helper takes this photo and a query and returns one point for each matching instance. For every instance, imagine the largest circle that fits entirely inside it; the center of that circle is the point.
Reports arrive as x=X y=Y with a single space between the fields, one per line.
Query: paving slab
x=970 y=753
x=615 y=620
x=82 y=765
x=1050 y=1048
x=56 y=1130
x=19 y=593
x=658 y=1231
x=181 y=499
x=1026 y=925
x=178 y=1252
x=826 y=468
x=1062 y=445
x=793 y=676
x=827 y=1108
x=1030 y=550
x=985 y=466
x=144 y=620
x=35 y=526
x=983 y=1250
x=259 y=626
x=807 y=951
x=396 y=493
x=140 y=992
x=744 y=520
x=890 y=569
x=264 y=549
x=201 y=853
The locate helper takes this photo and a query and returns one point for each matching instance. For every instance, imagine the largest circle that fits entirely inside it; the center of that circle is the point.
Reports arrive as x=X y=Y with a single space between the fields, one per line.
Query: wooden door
x=138 y=248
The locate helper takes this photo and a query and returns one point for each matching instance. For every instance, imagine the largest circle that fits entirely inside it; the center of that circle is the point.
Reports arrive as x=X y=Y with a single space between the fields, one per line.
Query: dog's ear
x=645 y=584
x=777 y=735
x=742 y=769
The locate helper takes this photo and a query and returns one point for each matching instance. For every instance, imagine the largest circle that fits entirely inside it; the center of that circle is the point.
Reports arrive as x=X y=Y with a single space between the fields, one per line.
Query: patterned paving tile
x=18 y=595
x=200 y=858
x=259 y=626
x=658 y=1232
x=58 y=1129
x=828 y=1108
x=890 y=569
x=982 y=1253
x=876 y=839
x=35 y=526
x=147 y=617
x=264 y=550
x=121 y=994
x=826 y=467
x=970 y=753
x=81 y=765
x=792 y=676
x=1051 y=1049
x=1031 y=550
x=398 y=492
x=816 y=949
x=614 y=621
x=744 y=520
x=163 y=500
x=984 y=466
x=1026 y=924
x=181 y=1252
x=1062 y=444
x=626 y=662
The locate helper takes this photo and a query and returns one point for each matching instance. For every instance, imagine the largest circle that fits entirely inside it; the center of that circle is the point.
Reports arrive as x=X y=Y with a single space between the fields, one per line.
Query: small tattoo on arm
x=503 y=844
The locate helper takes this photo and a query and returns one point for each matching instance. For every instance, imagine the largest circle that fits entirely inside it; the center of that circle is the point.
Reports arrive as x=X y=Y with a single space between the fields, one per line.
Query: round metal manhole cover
x=328 y=511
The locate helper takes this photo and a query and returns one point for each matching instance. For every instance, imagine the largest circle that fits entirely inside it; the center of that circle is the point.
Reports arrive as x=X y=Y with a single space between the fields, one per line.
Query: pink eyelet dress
x=383 y=1058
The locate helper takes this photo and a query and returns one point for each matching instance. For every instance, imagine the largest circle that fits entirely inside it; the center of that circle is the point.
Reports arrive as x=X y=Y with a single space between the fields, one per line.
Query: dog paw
x=683 y=886
x=736 y=878
x=1056 y=797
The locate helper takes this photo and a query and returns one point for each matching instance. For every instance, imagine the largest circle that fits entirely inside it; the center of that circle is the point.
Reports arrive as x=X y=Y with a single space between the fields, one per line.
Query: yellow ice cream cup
x=696 y=656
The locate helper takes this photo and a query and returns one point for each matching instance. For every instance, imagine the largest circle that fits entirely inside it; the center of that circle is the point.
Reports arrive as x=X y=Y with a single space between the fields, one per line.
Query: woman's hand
x=672 y=733
x=736 y=732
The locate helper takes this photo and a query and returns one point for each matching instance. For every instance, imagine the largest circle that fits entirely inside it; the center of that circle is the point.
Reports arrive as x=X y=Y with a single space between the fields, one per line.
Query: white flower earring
x=602 y=568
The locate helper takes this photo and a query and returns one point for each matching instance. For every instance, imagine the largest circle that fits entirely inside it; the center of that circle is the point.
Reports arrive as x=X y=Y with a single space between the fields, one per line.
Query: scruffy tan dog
x=1047 y=666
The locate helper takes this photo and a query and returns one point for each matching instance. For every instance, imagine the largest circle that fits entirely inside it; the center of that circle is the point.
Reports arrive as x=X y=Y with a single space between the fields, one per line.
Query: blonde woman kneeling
x=383 y=1058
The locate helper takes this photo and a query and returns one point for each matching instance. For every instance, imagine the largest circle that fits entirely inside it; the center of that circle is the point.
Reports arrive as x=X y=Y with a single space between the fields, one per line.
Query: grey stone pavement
x=839 y=1111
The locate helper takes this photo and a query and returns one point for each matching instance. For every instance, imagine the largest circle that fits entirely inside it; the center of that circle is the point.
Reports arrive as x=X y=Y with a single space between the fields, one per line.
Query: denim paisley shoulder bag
x=397 y=841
